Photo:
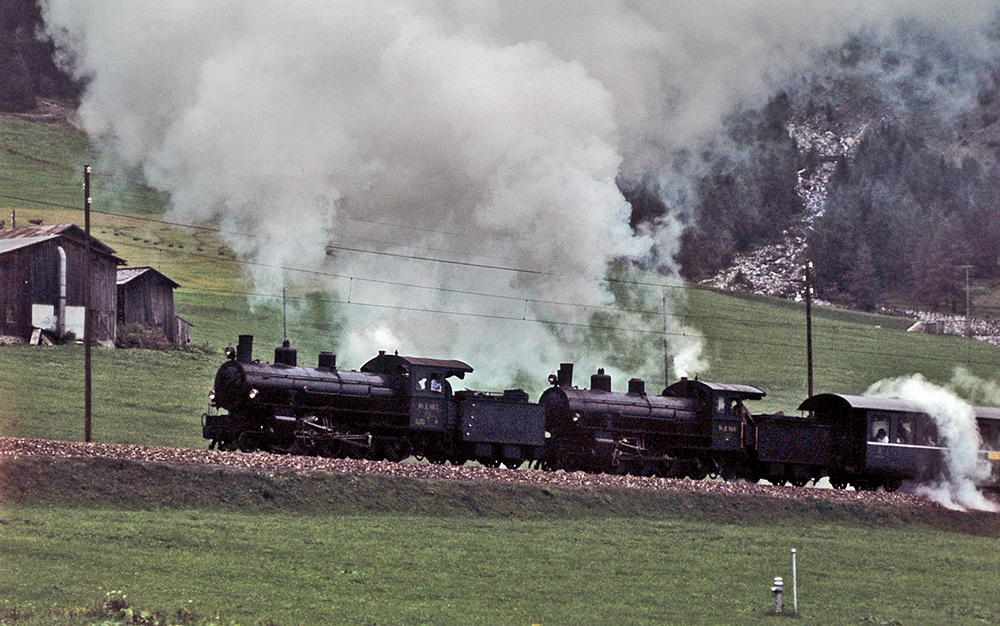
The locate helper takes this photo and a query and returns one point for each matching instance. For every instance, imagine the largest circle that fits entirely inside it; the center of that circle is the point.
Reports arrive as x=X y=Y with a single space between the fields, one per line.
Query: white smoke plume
x=978 y=390
x=489 y=134
x=957 y=430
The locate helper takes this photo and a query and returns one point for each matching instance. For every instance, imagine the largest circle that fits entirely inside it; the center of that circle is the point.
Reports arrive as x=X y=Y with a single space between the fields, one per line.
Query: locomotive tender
x=398 y=406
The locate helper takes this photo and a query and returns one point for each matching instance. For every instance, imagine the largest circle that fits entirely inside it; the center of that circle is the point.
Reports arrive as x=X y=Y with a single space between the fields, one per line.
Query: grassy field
x=403 y=569
x=157 y=398
x=249 y=549
x=327 y=549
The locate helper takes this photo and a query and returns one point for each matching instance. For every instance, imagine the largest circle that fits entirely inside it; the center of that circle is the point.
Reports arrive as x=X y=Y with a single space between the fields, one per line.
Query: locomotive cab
x=425 y=383
x=725 y=403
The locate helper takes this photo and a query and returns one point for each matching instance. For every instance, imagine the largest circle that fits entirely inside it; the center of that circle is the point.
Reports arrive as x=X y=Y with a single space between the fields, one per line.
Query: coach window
x=991 y=436
x=904 y=430
x=878 y=426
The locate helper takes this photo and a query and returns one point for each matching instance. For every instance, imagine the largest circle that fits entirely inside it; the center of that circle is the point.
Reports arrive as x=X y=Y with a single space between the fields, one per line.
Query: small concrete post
x=779 y=586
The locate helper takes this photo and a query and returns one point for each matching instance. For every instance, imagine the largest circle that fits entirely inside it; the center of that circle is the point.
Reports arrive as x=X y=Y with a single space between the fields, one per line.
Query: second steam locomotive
x=397 y=406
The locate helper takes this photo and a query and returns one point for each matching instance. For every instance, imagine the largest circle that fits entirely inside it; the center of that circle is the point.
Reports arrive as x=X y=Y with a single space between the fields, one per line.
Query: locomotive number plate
x=427 y=414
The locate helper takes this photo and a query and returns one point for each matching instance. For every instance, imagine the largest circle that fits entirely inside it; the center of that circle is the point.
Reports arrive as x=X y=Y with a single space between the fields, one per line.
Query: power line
x=641 y=312
x=652 y=332
x=390 y=283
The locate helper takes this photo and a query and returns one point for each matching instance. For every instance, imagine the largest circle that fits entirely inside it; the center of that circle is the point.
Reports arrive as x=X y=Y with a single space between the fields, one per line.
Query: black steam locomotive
x=398 y=406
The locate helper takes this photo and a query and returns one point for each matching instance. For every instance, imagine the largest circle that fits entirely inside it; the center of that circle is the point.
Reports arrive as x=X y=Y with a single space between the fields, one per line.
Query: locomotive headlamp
x=230 y=353
x=211 y=395
x=253 y=393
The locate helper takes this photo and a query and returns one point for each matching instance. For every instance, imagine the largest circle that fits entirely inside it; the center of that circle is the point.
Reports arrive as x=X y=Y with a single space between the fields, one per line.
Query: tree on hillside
x=939 y=254
x=901 y=219
x=27 y=69
x=748 y=197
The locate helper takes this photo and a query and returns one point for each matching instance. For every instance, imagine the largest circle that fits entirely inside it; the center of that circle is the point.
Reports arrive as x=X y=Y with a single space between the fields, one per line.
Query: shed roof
x=8 y=245
x=24 y=236
x=128 y=274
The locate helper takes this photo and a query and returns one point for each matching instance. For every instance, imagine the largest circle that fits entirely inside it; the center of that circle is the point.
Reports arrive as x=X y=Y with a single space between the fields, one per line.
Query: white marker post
x=795 y=587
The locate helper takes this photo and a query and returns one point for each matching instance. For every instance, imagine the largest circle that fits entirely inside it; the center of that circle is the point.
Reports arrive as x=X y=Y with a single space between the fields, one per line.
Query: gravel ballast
x=285 y=464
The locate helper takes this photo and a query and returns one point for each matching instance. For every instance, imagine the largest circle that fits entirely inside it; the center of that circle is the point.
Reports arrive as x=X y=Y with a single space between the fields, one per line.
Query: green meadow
x=204 y=546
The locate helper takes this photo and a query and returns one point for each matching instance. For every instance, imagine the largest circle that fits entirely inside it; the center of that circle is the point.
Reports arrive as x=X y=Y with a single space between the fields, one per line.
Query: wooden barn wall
x=15 y=293
x=148 y=300
x=182 y=331
x=39 y=265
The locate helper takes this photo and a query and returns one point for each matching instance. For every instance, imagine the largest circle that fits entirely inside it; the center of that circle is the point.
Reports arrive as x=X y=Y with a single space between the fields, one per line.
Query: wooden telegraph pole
x=87 y=322
x=809 y=328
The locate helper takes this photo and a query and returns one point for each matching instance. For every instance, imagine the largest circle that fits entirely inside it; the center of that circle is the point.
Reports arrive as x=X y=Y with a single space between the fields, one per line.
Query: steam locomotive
x=398 y=406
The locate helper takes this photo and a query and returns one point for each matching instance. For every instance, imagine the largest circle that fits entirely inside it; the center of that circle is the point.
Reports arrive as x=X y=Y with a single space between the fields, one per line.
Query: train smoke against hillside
x=489 y=136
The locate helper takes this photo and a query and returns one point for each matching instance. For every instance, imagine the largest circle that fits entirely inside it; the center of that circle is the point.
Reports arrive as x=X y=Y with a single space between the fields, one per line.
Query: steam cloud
x=984 y=392
x=956 y=426
x=489 y=134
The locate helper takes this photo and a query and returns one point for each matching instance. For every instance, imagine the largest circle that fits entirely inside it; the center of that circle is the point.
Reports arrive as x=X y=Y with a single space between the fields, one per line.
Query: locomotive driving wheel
x=437 y=458
x=697 y=470
x=892 y=484
x=330 y=449
x=248 y=441
x=396 y=450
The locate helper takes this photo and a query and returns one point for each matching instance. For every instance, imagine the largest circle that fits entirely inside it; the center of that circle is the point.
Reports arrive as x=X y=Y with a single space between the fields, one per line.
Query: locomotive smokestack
x=565 y=378
x=244 y=349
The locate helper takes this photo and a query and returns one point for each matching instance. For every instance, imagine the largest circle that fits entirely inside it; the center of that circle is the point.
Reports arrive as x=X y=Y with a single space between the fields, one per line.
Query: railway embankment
x=69 y=474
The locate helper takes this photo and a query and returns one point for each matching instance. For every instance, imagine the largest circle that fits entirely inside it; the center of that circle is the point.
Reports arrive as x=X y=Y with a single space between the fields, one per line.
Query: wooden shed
x=38 y=265
x=145 y=296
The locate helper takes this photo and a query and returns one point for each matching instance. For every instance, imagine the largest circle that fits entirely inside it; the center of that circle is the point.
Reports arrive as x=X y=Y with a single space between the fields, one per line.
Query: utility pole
x=809 y=328
x=666 y=352
x=87 y=322
x=284 y=311
x=968 y=319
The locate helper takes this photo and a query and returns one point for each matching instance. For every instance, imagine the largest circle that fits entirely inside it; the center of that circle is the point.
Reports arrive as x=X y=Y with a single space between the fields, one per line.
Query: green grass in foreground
x=335 y=549
x=399 y=569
